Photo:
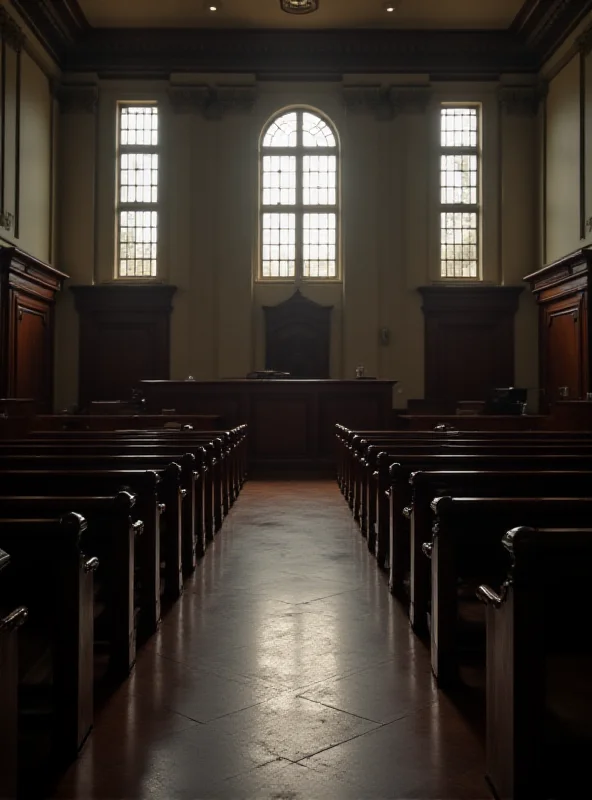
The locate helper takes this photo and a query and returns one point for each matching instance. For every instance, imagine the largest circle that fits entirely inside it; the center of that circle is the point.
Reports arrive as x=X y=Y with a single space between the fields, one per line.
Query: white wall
x=209 y=229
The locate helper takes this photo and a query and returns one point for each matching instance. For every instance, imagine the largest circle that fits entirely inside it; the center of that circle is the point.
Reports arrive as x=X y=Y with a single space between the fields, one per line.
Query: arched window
x=299 y=202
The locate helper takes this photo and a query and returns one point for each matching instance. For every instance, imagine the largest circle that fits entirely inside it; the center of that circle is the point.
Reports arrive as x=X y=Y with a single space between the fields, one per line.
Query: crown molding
x=136 y=51
x=539 y=28
x=58 y=24
x=543 y=25
x=10 y=32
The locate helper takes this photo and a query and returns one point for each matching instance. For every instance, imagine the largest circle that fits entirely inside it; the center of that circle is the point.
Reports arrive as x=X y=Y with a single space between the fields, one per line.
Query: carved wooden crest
x=298 y=337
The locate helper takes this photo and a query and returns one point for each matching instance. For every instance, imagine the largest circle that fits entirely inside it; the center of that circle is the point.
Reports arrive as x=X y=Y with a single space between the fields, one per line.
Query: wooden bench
x=10 y=621
x=221 y=471
x=365 y=454
x=348 y=442
x=144 y=484
x=190 y=522
x=426 y=486
x=396 y=551
x=465 y=548
x=111 y=537
x=52 y=576
x=374 y=467
x=176 y=481
x=539 y=657
x=106 y=422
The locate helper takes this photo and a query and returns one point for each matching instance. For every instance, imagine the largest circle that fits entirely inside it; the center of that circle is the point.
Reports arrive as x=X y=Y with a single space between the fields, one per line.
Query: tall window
x=299 y=229
x=137 y=191
x=460 y=211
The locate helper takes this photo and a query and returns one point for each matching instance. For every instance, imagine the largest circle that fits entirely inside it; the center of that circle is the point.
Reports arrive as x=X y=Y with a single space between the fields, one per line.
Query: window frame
x=119 y=206
x=476 y=208
x=299 y=209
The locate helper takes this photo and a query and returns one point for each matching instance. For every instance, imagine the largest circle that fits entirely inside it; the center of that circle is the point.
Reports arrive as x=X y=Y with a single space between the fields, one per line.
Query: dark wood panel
x=298 y=337
x=361 y=410
x=469 y=340
x=124 y=338
x=291 y=422
x=32 y=358
x=293 y=416
x=28 y=288
x=561 y=291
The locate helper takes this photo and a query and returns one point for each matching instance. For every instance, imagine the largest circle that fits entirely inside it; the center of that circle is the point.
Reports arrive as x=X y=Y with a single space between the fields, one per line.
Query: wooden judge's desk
x=291 y=422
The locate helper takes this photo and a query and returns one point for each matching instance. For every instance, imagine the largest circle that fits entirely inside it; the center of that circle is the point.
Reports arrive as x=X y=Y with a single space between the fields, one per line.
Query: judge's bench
x=291 y=421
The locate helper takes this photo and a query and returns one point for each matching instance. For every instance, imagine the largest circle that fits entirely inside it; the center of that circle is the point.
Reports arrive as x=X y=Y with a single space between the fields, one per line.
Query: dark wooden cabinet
x=469 y=340
x=561 y=291
x=28 y=289
x=124 y=338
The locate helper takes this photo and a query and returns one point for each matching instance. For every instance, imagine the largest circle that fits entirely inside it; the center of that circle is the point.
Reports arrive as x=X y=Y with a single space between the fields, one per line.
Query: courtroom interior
x=295 y=399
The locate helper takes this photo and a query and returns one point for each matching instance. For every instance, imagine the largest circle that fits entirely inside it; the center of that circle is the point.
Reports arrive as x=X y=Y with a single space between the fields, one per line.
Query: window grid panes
x=459 y=192
x=137 y=193
x=299 y=198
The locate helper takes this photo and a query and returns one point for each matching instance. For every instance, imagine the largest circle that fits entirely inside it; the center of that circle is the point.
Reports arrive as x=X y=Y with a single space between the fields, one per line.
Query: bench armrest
x=91 y=565
x=488 y=596
x=15 y=619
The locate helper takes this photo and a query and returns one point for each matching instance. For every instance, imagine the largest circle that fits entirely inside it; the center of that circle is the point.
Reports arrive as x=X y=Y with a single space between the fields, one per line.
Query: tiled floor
x=285 y=671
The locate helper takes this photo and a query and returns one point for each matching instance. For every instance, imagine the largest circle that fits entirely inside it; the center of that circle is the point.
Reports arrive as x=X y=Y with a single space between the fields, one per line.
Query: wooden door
x=563 y=346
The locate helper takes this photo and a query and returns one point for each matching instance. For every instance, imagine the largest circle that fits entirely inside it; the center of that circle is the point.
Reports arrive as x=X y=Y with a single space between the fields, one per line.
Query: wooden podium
x=291 y=422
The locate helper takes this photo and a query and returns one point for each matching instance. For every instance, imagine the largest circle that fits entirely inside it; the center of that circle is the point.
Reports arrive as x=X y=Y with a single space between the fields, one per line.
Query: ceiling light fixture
x=213 y=5
x=299 y=6
x=391 y=6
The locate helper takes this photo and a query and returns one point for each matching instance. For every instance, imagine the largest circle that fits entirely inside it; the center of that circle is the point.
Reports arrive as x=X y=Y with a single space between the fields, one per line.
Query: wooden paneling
x=291 y=422
x=124 y=338
x=469 y=340
x=27 y=296
x=298 y=337
x=561 y=290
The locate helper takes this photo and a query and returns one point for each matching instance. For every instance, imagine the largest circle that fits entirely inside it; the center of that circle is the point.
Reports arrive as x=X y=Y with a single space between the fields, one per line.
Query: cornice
x=538 y=29
x=308 y=53
x=58 y=24
x=213 y=102
x=543 y=25
x=10 y=32
x=386 y=102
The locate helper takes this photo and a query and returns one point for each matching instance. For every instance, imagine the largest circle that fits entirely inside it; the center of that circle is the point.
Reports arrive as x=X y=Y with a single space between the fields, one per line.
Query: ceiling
x=417 y=14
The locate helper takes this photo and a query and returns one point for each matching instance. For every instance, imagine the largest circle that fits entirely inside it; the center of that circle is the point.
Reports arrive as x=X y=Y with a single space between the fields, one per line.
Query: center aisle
x=286 y=670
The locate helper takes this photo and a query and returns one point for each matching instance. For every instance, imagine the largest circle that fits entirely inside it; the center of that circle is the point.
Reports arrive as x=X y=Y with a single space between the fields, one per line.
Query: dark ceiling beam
x=58 y=24
x=538 y=29
x=543 y=25
x=303 y=52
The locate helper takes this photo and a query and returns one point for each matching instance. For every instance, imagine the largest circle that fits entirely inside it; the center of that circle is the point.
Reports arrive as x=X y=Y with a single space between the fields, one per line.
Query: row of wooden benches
x=456 y=517
x=98 y=530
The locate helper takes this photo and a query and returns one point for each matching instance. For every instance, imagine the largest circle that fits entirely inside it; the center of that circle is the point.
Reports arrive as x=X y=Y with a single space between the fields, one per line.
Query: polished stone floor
x=285 y=671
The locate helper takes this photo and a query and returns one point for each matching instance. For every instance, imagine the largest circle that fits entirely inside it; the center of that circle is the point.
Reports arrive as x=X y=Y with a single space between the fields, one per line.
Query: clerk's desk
x=291 y=422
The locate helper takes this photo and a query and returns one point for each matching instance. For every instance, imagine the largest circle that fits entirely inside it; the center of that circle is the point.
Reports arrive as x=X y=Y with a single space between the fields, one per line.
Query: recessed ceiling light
x=390 y=7
x=213 y=5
